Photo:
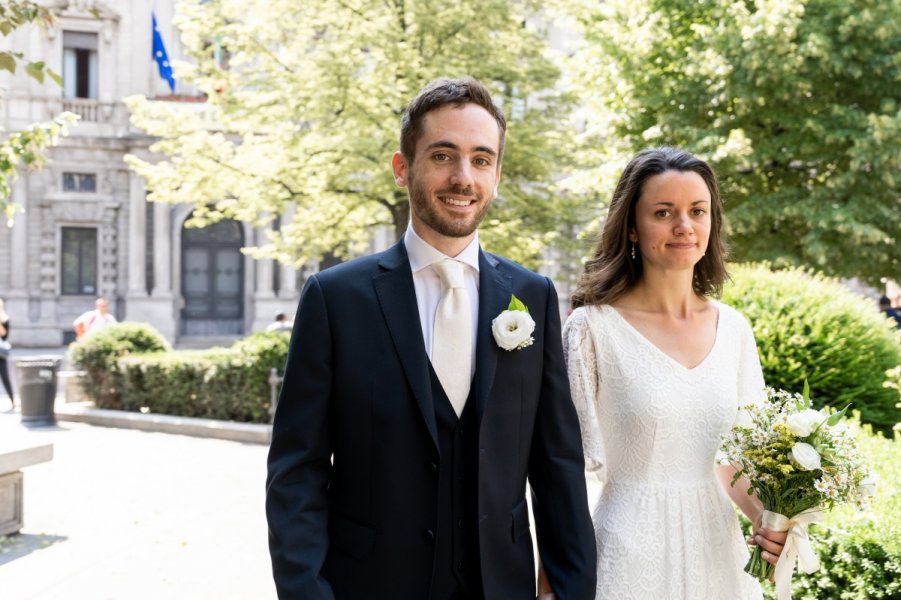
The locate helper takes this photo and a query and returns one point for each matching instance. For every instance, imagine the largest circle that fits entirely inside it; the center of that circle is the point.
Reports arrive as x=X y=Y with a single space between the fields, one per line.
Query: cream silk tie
x=451 y=339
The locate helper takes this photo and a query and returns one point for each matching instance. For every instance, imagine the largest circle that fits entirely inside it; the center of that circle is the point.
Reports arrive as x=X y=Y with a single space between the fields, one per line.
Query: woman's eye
x=698 y=212
x=661 y=213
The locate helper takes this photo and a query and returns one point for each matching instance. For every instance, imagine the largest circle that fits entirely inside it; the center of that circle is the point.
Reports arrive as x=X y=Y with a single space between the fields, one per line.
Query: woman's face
x=672 y=220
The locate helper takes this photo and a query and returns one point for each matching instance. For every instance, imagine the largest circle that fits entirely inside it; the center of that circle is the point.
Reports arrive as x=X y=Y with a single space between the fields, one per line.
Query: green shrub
x=811 y=327
x=97 y=353
x=859 y=552
x=220 y=383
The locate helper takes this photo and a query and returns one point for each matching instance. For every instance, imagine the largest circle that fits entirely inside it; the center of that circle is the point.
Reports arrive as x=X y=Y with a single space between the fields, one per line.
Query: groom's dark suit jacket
x=352 y=491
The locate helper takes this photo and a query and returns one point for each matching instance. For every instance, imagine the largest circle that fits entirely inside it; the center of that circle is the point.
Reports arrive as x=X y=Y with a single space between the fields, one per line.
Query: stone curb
x=84 y=412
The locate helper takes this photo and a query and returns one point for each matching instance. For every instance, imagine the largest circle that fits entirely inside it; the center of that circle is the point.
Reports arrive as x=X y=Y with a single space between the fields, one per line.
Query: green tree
x=796 y=104
x=23 y=149
x=303 y=108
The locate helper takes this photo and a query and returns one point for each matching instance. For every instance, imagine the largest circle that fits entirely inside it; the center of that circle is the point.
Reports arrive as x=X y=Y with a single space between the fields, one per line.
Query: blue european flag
x=160 y=56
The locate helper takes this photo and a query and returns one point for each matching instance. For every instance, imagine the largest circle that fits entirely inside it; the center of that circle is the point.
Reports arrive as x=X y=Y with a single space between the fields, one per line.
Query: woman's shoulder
x=584 y=315
x=731 y=316
x=588 y=319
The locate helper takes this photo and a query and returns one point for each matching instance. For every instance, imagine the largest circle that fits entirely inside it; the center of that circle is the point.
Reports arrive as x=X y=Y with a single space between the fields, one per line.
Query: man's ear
x=497 y=182
x=399 y=166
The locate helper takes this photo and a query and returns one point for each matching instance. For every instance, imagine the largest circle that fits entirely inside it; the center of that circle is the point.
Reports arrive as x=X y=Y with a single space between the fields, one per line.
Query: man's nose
x=462 y=174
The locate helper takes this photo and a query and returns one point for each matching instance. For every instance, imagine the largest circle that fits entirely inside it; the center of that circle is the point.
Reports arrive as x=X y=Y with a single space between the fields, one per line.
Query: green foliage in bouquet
x=799 y=462
x=859 y=552
x=809 y=326
x=97 y=353
x=220 y=383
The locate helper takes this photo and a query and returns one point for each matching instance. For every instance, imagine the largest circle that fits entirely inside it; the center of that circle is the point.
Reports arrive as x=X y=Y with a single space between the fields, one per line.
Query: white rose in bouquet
x=806 y=456
x=803 y=423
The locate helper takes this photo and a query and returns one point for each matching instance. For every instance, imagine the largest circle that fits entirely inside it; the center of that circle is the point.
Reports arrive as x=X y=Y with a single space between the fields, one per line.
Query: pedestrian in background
x=4 y=353
x=93 y=320
x=885 y=306
x=281 y=323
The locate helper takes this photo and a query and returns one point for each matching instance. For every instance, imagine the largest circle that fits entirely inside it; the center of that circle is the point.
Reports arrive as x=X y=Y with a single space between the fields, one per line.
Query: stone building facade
x=87 y=229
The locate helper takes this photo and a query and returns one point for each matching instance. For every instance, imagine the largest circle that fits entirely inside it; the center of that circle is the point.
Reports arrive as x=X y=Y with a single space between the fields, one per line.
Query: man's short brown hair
x=441 y=92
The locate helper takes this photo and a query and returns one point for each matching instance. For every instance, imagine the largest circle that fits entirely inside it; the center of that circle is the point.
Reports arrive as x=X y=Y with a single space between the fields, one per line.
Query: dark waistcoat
x=456 y=572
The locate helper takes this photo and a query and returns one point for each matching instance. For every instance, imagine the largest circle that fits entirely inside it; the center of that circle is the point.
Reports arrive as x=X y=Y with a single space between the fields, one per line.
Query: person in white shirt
x=93 y=320
x=281 y=323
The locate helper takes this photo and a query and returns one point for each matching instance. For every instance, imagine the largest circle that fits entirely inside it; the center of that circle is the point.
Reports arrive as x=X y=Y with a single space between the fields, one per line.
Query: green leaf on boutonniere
x=516 y=304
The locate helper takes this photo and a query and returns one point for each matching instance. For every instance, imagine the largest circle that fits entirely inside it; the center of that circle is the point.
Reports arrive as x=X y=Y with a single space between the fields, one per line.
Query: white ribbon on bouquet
x=797 y=546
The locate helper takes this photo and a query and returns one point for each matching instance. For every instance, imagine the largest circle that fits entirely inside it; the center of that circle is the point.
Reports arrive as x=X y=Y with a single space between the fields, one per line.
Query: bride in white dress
x=658 y=371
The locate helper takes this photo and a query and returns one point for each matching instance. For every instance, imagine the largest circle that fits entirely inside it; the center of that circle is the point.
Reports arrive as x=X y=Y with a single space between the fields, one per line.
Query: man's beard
x=427 y=211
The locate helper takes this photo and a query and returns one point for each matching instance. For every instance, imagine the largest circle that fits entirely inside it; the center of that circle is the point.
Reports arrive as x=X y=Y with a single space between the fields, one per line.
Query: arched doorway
x=212 y=279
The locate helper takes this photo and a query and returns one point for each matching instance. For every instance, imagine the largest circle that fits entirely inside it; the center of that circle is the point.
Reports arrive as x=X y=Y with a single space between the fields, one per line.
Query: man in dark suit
x=406 y=427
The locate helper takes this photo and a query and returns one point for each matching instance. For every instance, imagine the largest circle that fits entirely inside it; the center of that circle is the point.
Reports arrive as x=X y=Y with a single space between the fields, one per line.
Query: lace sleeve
x=751 y=387
x=582 y=366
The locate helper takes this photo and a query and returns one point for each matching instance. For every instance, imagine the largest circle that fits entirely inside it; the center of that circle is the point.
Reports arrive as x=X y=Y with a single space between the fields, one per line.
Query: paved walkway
x=125 y=514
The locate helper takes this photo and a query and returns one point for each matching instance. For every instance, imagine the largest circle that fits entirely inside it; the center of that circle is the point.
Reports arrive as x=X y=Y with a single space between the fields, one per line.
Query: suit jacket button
x=433 y=466
x=461 y=566
x=429 y=536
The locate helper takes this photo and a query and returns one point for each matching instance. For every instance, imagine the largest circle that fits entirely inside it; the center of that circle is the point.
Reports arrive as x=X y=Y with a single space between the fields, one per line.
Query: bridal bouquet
x=800 y=461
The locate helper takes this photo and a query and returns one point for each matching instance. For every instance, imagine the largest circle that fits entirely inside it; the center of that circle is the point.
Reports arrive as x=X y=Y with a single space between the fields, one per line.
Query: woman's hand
x=771 y=542
x=545 y=592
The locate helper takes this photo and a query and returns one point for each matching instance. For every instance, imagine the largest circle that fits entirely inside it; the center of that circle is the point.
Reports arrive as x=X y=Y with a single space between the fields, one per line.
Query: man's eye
x=483 y=162
x=441 y=157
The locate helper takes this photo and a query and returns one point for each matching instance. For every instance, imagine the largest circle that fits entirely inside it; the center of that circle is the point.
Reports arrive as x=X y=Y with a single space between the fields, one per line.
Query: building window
x=79 y=263
x=79 y=182
x=79 y=64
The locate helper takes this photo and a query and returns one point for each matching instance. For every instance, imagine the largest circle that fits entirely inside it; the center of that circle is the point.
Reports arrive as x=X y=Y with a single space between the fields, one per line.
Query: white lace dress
x=651 y=427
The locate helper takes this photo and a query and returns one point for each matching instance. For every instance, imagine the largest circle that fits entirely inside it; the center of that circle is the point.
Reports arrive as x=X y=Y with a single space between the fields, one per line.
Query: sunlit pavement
x=124 y=514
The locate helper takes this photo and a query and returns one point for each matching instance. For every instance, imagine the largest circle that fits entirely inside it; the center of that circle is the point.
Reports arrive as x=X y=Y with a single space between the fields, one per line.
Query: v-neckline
x=657 y=348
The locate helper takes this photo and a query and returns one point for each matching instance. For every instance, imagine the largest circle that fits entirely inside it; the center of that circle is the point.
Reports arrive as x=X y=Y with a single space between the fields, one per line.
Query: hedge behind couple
x=408 y=426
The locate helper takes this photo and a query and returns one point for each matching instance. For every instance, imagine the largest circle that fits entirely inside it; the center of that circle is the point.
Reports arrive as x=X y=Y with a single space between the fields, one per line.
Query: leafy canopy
x=303 y=111
x=24 y=149
x=797 y=104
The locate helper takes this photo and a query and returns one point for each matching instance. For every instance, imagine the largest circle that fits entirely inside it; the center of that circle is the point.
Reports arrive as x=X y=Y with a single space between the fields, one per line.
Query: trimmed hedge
x=97 y=353
x=220 y=383
x=811 y=327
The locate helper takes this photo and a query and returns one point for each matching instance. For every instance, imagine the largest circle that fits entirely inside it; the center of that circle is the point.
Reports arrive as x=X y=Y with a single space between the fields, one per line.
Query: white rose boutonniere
x=513 y=328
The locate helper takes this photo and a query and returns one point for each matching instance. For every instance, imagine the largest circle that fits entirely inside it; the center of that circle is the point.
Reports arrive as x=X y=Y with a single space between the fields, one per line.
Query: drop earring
x=633 y=250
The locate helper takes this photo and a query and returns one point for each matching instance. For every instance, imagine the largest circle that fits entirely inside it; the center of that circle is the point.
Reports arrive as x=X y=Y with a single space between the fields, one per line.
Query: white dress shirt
x=428 y=285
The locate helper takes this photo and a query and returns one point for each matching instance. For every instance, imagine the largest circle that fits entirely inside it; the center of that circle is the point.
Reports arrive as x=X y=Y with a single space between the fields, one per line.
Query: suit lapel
x=495 y=290
x=397 y=298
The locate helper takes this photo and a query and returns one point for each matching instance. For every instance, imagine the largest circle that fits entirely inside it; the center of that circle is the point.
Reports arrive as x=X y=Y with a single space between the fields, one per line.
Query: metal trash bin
x=37 y=388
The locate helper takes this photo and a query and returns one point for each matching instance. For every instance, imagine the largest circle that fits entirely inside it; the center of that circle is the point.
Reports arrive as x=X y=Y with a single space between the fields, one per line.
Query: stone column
x=137 y=239
x=288 y=283
x=288 y=291
x=156 y=308
x=264 y=269
x=19 y=241
x=162 y=248
x=264 y=300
